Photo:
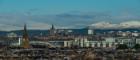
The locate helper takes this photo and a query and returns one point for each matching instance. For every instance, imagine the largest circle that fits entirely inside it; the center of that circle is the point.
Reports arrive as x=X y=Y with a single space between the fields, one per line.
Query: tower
x=90 y=31
x=25 y=42
x=52 y=30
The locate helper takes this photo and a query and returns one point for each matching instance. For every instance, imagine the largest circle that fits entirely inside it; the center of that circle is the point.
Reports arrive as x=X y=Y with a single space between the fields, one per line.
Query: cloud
x=107 y=25
x=12 y=21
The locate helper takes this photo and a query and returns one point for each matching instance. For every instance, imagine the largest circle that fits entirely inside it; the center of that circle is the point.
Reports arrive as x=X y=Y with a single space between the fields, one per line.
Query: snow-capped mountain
x=107 y=25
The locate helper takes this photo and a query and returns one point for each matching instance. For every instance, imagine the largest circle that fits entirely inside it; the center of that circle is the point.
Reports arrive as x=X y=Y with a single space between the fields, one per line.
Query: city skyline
x=65 y=13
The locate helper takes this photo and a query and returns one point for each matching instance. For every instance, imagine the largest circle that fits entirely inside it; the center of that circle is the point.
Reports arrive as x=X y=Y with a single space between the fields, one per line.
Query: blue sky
x=70 y=13
x=60 y=6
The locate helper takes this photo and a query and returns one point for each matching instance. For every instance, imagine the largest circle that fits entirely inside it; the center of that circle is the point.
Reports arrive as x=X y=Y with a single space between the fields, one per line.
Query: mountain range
x=122 y=25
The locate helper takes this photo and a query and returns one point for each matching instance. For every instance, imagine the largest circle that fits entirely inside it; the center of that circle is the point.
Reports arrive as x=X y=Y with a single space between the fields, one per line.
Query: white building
x=84 y=42
x=12 y=34
x=130 y=42
x=78 y=41
x=137 y=40
x=90 y=32
x=108 y=42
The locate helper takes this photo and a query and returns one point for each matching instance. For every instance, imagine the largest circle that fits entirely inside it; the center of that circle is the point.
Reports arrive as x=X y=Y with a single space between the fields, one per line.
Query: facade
x=52 y=31
x=11 y=35
x=84 y=42
x=137 y=40
x=108 y=42
x=130 y=42
x=78 y=41
x=90 y=32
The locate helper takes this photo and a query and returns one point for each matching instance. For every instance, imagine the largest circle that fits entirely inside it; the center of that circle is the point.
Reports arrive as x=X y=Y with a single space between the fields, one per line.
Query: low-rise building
x=130 y=42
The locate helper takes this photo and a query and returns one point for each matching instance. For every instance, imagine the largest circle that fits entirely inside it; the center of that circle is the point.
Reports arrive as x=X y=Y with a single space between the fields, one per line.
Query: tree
x=122 y=46
x=137 y=46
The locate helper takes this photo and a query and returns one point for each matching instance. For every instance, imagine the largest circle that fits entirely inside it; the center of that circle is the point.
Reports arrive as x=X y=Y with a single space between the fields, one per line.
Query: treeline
x=124 y=46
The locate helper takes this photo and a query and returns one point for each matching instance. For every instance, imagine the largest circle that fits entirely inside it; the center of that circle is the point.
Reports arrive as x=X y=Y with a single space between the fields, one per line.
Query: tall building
x=52 y=31
x=90 y=31
x=25 y=42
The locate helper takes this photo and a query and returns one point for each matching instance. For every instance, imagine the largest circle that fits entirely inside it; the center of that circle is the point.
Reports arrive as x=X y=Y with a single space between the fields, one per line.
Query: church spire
x=52 y=27
x=25 y=43
x=52 y=30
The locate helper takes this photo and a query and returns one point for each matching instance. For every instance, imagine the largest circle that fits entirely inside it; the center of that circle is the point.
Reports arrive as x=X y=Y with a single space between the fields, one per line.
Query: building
x=110 y=42
x=25 y=38
x=78 y=41
x=107 y=42
x=11 y=35
x=52 y=31
x=85 y=42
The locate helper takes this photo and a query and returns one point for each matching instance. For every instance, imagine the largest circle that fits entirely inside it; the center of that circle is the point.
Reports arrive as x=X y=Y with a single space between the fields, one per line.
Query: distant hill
x=42 y=32
x=82 y=31
x=3 y=33
x=122 y=25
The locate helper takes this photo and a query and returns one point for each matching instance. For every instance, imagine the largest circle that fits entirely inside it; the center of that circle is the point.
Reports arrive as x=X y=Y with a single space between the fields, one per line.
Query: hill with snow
x=122 y=25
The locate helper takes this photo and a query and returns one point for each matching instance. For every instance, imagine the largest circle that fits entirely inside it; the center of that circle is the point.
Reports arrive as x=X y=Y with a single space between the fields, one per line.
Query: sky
x=41 y=14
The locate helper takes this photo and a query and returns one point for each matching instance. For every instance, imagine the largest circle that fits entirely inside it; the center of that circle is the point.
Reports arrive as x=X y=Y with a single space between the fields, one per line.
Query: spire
x=25 y=42
x=52 y=30
x=52 y=27
x=25 y=33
